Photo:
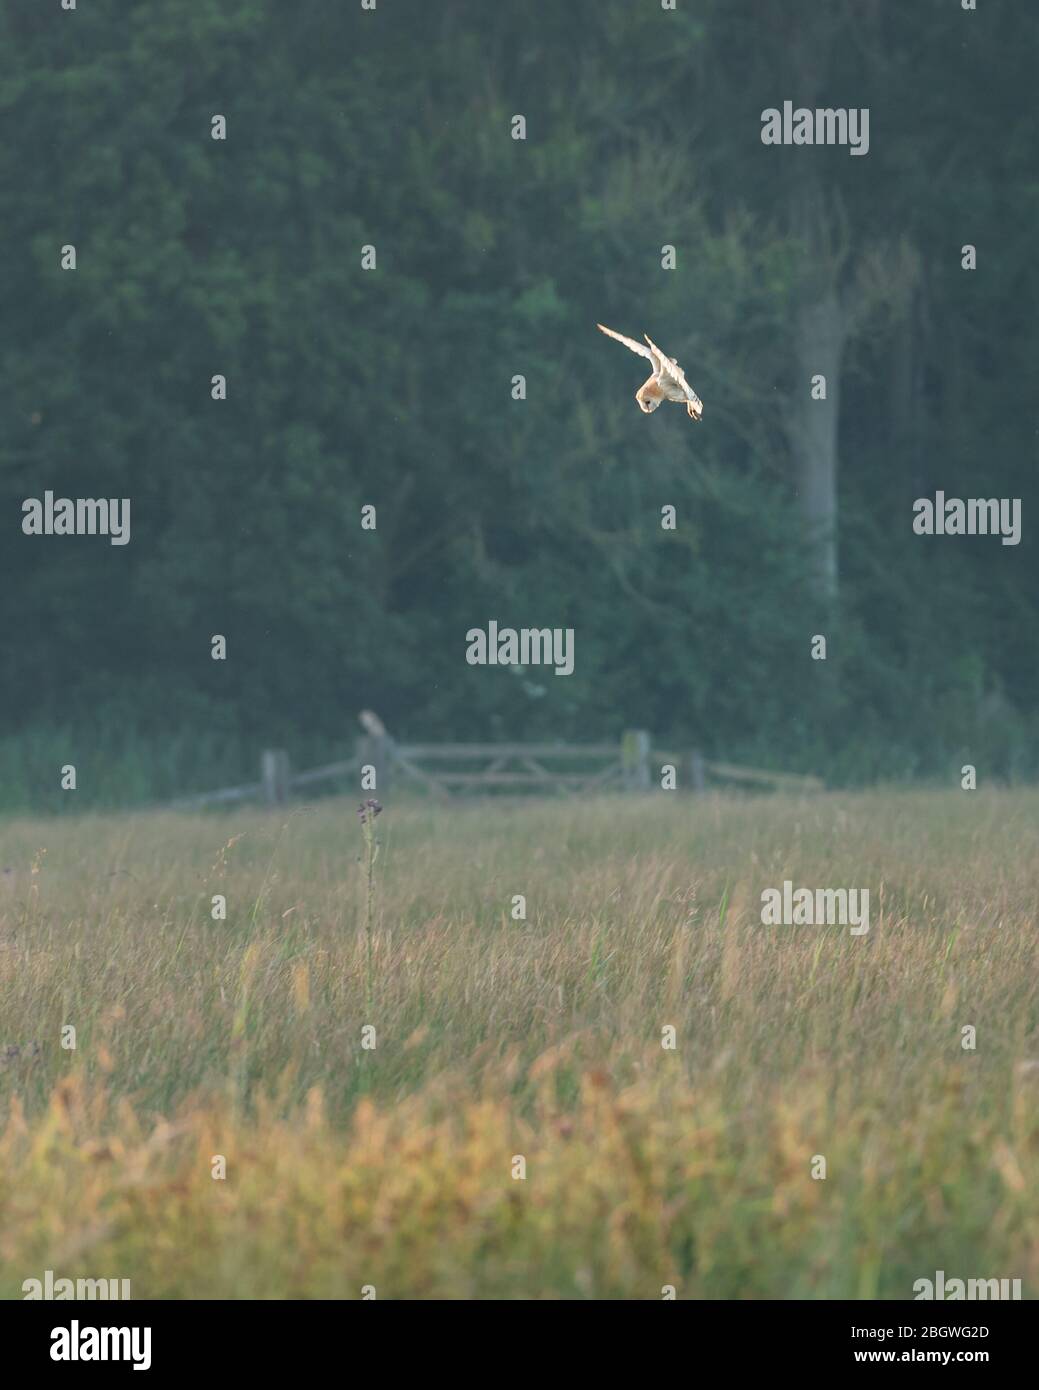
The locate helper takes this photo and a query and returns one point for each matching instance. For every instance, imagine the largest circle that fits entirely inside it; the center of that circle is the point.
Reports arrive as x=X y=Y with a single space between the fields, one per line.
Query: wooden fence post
x=696 y=771
x=635 y=747
x=275 y=776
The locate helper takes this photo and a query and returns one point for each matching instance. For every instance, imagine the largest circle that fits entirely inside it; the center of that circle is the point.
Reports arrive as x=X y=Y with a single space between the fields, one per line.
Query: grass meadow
x=496 y=1037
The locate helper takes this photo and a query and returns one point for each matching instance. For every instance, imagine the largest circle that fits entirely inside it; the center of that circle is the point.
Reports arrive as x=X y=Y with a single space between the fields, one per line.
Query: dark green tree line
x=496 y=257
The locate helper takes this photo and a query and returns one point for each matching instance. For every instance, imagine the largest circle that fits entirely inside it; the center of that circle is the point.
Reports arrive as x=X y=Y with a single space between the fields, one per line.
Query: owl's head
x=648 y=399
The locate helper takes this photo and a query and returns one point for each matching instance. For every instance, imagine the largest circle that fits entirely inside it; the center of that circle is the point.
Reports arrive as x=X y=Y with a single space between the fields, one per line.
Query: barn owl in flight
x=668 y=381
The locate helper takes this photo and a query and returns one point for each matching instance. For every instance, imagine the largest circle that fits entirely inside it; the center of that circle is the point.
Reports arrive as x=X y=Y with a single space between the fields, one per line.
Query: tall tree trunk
x=819 y=336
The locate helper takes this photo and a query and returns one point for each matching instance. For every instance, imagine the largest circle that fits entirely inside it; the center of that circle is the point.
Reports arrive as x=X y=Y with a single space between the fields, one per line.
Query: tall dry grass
x=541 y=1038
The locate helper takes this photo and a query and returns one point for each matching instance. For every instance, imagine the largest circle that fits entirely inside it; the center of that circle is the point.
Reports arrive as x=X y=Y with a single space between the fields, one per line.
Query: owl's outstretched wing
x=628 y=342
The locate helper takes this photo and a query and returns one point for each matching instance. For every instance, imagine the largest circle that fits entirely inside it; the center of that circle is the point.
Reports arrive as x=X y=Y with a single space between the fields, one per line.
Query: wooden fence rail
x=379 y=762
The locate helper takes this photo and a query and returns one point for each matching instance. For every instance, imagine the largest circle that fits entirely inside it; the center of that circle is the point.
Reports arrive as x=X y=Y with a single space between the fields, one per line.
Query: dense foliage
x=393 y=386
